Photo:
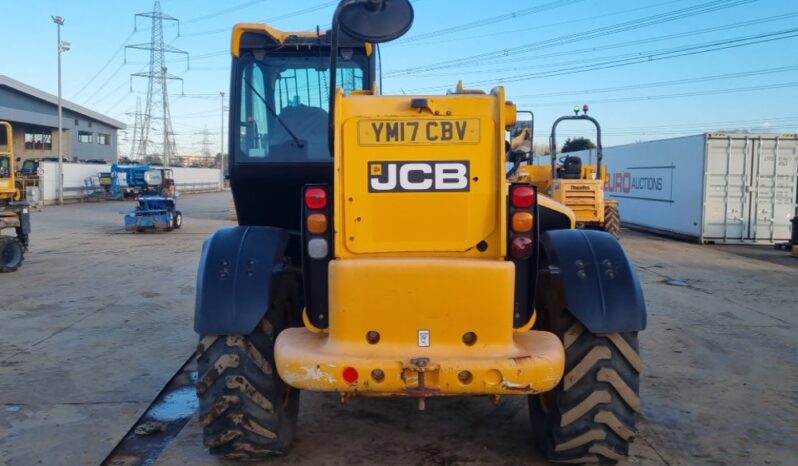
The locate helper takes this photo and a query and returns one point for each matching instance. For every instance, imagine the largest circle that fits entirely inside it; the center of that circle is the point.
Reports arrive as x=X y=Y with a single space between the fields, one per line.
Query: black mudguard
x=234 y=278
x=596 y=280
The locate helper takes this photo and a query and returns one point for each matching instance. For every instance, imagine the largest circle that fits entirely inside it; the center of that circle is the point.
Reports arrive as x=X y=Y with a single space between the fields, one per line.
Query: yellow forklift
x=14 y=210
x=393 y=257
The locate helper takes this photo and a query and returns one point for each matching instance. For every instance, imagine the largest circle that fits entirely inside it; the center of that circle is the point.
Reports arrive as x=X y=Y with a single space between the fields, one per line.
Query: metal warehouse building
x=34 y=116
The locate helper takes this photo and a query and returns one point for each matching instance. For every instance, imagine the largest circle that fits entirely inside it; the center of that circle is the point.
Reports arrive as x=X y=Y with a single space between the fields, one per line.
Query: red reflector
x=350 y=374
x=523 y=196
x=522 y=247
x=316 y=198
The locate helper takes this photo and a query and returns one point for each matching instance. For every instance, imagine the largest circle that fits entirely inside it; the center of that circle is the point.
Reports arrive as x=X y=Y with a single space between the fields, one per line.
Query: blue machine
x=153 y=212
x=124 y=181
x=156 y=208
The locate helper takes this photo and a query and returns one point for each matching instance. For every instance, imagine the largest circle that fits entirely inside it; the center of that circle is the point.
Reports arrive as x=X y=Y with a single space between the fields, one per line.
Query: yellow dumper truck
x=578 y=186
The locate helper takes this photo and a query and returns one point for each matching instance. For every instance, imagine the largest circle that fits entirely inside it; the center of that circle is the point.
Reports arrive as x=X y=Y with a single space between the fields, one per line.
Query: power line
x=654 y=132
x=103 y=68
x=674 y=126
x=224 y=11
x=114 y=74
x=105 y=83
x=482 y=69
x=691 y=127
x=670 y=96
x=624 y=26
x=674 y=53
x=645 y=57
x=741 y=74
x=269 y=20
x=537 y=27
x=116 y=104
x=487 y=21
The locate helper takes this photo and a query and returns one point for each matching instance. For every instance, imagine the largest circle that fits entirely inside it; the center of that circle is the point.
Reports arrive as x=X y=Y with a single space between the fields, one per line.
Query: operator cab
x=279 y=117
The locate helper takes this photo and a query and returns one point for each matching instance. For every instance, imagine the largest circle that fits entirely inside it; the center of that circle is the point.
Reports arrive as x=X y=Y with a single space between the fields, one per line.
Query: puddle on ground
x=160 y=424
x=677 y=282
x=178 y=404
x=12 y=409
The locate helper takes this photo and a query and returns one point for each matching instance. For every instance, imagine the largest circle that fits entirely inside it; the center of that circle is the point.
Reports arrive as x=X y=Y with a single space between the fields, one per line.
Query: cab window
x=5 y=166
x=284 y=107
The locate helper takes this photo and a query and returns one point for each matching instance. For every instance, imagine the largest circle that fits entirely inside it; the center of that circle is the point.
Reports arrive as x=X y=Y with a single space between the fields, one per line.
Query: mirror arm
x=334 y=72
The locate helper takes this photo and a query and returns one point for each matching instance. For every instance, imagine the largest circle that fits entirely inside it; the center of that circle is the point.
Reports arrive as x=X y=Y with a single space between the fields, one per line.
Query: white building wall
x=75 y=175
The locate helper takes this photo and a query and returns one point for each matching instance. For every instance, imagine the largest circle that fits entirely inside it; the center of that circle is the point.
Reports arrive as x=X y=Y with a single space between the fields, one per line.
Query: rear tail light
x=350 y=375
x=522 y=209
x=523 y=197
x=522 y=247
x=522 y=222
x=316 y=198
x=317 y=223
x=318 y=248
x=317 y=236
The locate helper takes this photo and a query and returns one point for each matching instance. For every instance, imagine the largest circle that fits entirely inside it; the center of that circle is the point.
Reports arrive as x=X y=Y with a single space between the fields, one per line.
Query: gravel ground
x=98 y=320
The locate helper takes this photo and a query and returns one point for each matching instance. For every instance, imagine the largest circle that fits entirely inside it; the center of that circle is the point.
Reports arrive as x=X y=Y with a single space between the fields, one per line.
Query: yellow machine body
x=8 y=186
x=584 y=196
x=420 y=294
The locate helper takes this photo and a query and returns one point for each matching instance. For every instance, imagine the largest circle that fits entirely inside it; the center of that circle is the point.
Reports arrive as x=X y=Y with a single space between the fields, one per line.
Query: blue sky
x=649 y=69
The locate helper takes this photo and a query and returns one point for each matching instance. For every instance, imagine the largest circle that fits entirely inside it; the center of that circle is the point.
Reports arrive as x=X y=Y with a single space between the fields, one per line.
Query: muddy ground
x=98 y=321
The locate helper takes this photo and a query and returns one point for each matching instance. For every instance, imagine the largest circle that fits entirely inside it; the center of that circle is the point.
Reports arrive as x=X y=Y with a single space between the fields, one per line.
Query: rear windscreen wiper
x=298 y=142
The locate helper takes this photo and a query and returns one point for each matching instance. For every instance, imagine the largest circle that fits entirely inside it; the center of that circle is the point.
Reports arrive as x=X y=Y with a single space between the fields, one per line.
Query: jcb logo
x=385 y=177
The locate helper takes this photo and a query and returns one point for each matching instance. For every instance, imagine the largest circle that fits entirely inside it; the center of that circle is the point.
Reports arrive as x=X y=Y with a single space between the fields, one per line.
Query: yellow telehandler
x=14 y=210
x=382 y=251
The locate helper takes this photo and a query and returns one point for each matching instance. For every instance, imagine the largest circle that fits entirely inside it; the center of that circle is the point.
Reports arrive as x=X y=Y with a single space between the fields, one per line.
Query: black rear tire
x=12 y=253
x=612 y=220
x=246 y=411
x=590 y=416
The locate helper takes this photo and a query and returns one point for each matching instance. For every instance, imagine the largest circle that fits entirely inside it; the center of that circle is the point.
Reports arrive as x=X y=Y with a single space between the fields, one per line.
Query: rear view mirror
x=523 y=133
x=370 y=21
x=375 y=21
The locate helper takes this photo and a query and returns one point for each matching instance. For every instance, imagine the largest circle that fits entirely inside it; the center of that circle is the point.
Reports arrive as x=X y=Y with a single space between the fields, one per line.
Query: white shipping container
x=712 y=187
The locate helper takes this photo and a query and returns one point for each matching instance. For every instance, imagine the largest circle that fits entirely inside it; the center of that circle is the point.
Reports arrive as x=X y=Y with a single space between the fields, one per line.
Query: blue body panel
x=598 y=281
x=149 y=221
x=133 y=175
x=152 y=213
x=234 y=278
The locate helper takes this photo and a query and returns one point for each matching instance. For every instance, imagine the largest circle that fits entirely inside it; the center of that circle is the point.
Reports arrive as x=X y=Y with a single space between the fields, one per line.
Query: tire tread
x=247 y=412
x=591 y=414
x=612 y=220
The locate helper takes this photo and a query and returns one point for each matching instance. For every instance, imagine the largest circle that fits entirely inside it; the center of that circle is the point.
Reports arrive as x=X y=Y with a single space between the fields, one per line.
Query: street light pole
x=221 y=154
x=59 y=21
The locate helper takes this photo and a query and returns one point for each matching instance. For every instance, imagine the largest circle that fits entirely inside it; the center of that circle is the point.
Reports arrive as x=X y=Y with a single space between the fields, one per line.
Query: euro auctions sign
x=645 y=183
